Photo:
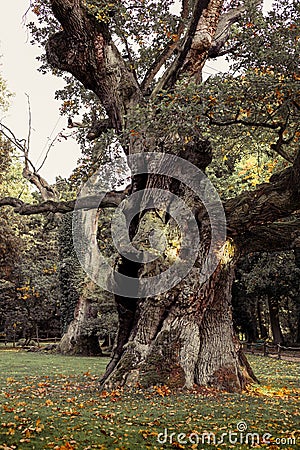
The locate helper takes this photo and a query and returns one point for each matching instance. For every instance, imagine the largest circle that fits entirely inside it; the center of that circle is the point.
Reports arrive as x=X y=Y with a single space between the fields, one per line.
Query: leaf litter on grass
x=67 y=411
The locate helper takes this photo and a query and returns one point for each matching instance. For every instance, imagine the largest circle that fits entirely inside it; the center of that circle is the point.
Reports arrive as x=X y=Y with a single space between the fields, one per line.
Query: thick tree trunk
x=182 y=338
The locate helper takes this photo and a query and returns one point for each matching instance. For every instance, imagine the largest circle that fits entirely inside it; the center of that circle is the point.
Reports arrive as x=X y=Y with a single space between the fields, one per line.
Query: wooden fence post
x=278 y=351
x=265 y=349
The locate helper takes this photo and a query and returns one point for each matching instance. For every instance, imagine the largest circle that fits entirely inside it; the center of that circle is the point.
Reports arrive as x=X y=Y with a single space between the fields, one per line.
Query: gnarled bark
x=181 y=340
x=85 y=49
x=185 y=336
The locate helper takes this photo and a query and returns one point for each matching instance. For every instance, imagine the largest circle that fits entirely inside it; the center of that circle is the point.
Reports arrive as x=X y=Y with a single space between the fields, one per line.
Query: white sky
x=19 y=68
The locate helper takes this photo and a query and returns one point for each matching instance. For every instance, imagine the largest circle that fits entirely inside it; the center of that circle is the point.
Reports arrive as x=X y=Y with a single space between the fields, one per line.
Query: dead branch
x=223 y=30
x=197 y=42
x=168 y=50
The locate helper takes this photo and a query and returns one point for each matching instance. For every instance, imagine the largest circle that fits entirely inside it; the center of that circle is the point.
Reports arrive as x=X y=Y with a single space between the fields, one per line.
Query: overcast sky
x=19 y=68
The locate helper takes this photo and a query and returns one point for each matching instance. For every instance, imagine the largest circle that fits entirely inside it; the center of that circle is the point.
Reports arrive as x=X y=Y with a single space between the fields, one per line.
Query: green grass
x=50 y=401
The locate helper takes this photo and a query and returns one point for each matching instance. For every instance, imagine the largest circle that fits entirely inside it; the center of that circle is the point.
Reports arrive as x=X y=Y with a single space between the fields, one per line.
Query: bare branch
x=111 y=199
x=27 y=147
x=47 y=192
x=48 y=150
x=197 y=42
x=223 y=31
x=236 y=121
x=7 y=132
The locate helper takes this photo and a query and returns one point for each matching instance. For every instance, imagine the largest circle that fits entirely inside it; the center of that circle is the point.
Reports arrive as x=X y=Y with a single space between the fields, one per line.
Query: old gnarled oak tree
x=185 y=336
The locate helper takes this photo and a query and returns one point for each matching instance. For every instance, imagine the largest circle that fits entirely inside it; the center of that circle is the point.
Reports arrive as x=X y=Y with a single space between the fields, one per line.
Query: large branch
x=268 y=203
x=47 y=192
x=111 y=199
x=85 y=49
x=278 y=236
x=168 y=50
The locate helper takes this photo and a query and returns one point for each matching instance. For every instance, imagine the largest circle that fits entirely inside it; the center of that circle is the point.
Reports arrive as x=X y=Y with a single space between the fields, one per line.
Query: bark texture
x=183 y=338
x=85 y=49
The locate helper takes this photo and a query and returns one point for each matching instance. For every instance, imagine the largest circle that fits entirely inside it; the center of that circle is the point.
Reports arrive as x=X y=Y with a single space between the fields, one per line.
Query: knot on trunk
x=61 y=51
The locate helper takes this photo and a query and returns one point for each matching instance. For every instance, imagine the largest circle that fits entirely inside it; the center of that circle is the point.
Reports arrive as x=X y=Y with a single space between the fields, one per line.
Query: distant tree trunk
x=274 y=319
x=262 y=329
x=77 y=311
x=37 y=334
x=252 y=330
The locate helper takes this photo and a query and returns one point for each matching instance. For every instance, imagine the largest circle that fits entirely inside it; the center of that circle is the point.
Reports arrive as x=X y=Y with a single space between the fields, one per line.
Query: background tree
x=29 y=293
x=88 y=313
x=266 y=297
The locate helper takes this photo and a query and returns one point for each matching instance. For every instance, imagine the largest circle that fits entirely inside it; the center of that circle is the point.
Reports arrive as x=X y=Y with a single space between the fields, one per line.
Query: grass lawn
x=52 y=402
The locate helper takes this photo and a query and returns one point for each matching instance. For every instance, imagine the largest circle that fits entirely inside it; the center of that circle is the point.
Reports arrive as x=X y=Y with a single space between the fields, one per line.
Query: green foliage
x=28 y=279
x=31 y=305
x=272 y=272
x=145 y=27
x=269 y=41
x=70 y=274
